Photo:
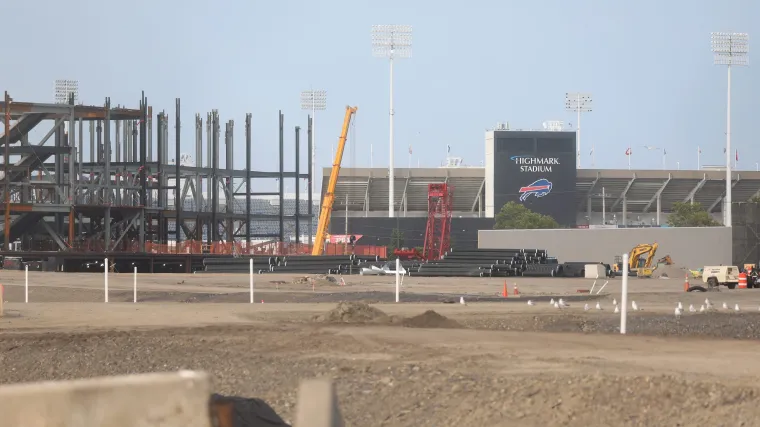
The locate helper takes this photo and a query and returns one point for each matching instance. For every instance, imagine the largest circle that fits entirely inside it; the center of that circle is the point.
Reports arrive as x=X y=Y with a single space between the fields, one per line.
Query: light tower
x=579 y=103
x=313 y=100
x=64 y=89
x=391 y=41
x=729 y=49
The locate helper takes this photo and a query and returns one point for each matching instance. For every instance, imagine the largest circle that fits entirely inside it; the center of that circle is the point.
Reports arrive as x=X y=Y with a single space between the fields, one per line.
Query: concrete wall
x=689 y=247
x=634 y=219
x=174 y=399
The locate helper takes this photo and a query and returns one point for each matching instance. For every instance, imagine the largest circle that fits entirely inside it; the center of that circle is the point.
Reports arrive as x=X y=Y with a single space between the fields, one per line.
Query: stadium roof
x=366 y=189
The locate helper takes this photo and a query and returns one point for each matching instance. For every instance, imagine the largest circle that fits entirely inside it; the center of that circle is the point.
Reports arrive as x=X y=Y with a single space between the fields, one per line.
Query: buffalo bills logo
x=539 y=188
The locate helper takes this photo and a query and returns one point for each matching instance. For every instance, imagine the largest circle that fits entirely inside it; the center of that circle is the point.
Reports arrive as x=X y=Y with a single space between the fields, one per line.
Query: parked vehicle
x=726 y=275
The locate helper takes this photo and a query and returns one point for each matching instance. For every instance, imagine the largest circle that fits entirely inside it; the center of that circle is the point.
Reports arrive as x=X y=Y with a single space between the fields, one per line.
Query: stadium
x=579 y=198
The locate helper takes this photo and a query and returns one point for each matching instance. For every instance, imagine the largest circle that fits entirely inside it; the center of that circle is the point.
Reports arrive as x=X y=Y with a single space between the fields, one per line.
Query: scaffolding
x=130 y=195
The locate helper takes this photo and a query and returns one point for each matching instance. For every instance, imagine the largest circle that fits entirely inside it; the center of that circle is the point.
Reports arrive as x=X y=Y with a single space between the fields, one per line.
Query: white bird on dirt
x=692 y=309
x=552 y=302
x=556 y=305
x=614 y=301
x=563 y=304
x=586 y=307
x=598 y=305
x=736 y=307
x=678 y=313
x=680 y=306
x=707 y=302
x=530 y=302
x=702 y=309
x=634 y=306
x=617 y=309
x=461 y=300
x=725 y=306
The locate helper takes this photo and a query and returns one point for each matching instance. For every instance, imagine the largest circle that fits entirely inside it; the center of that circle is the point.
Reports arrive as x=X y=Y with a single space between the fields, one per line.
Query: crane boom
x=329 y=198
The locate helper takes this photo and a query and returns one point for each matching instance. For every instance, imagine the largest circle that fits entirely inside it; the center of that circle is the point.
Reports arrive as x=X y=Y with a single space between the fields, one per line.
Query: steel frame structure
x=438 y=230
x=126 y=195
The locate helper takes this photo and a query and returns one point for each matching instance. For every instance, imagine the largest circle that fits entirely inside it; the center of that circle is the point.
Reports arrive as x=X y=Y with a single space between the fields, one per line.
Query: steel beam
x=623 y=193
x=720 y=198
x=657 y=194
x=693 y=192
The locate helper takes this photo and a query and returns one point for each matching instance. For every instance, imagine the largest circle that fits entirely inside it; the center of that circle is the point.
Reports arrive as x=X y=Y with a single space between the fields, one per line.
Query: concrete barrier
x=178 y=399
x=318 y=405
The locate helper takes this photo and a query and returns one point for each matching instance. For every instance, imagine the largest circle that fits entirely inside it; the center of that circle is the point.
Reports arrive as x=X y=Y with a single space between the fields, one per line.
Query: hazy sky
x=647 y=63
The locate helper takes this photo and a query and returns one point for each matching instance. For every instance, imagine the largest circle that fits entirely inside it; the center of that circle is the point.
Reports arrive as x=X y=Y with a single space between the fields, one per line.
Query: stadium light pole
x=313 y=100
x=729 y=49
x=391 y=41
x=579 y=103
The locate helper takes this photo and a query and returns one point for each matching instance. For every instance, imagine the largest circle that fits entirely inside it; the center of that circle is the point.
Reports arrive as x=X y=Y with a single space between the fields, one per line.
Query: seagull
x=586 y=307
x=680 y=306
x=692 y=309
x=614 y=301
x=617 y=310
x=702 y=309
x=725 y=306
x=678 y=313
x=461 y=300
x=556 y=305
x=598 y=306
x=707 y=302
x=634 y=306
x=563 y=304
x=551 y=302
x=736 y=307
x=530 y=302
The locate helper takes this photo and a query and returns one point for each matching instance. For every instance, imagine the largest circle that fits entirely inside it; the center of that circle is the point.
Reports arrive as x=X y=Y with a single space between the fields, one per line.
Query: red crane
x=438 y=230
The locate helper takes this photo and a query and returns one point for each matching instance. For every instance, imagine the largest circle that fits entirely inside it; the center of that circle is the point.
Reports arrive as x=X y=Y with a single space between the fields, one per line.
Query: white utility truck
x=727 y=275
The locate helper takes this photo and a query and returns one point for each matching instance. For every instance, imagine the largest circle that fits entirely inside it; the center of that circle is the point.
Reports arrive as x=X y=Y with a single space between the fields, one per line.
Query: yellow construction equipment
x=640 y=260
x=329 y=198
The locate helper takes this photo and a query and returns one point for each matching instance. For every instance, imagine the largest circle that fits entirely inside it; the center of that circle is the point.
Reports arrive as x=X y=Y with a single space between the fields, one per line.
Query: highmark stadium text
x=535 y=164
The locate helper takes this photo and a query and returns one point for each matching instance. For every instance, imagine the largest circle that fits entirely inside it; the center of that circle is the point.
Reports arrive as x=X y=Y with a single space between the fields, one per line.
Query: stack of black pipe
x=484 y=263
x=261 y=264
x=323 y=264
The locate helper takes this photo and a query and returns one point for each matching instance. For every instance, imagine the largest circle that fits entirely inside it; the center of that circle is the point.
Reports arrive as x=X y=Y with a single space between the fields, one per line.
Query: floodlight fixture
x=729 y=49
x=64 y=89
x=314 y=100
x=579 y=102
x=391 y=41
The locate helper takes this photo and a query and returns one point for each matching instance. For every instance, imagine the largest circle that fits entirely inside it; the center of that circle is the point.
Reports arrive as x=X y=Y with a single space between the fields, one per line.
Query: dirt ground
x=490 y=362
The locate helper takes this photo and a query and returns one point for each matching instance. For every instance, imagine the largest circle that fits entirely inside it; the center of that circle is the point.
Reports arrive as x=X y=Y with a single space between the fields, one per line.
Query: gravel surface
x=707 y=325
x=409 y=388
x=491 y=362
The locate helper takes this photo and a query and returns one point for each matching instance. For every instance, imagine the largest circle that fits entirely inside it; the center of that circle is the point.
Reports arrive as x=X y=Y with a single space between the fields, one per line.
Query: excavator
x=329 y=199
x=640 y=260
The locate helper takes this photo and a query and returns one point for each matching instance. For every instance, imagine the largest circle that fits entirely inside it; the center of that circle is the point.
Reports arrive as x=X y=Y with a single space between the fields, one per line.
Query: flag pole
x=699 y=163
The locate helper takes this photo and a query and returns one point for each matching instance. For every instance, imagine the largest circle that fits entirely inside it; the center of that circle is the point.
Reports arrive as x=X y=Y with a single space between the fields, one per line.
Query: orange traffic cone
x=686 y=283
x=505 y=292
x=517 y=291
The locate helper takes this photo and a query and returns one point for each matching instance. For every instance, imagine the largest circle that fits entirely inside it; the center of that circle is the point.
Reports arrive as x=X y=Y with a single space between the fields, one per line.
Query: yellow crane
x=329 y=198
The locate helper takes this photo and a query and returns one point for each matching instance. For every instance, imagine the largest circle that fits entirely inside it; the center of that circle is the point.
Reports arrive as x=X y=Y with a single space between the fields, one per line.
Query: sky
x=647 y=64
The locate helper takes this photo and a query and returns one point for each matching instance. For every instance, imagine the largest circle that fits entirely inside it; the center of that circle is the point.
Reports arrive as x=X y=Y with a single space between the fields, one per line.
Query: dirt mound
x=353 y=312
x=670 y=271
x=430 y=319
